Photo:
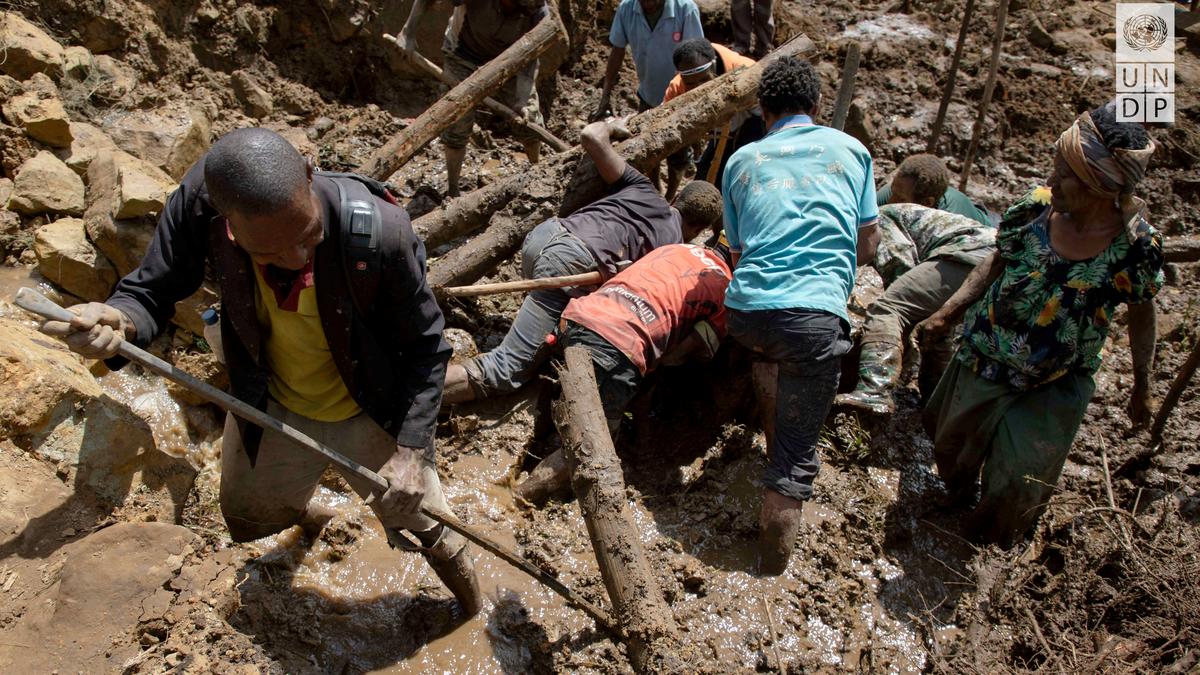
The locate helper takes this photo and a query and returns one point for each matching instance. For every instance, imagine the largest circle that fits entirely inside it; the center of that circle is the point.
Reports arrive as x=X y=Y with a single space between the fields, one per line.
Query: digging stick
x=492 y=104
x=845 y=93
x=585 y=279
x=1173 y=394
x=948 y=91
x=32 y=301
x=988 y=90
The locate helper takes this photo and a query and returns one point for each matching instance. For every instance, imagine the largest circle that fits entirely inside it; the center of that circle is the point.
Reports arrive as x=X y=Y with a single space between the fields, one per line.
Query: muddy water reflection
x=369 y=592
x=147 y=396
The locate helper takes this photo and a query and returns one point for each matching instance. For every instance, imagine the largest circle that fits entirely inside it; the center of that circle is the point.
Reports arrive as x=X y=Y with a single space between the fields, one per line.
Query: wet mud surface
x=881 y=581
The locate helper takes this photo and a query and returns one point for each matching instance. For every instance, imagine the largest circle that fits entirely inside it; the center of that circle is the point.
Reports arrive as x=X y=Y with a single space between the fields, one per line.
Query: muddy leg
x=766 y=379
x=454 y=164
x=550 y=478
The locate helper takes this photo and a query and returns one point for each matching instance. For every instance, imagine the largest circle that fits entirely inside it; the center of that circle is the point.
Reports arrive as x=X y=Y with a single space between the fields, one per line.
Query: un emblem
x=1145 y=32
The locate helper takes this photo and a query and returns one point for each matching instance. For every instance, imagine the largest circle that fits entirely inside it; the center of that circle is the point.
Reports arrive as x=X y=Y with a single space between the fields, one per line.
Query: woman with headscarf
x=1037 y=314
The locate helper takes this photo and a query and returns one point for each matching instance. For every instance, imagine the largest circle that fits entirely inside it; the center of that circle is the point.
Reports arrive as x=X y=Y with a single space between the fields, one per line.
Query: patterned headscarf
x=1111 y=173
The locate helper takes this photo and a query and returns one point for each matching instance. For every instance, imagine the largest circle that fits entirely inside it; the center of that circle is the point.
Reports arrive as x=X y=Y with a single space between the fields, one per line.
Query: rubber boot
x=779 y=526
x=549 y=479
x=878 y=371
x=458 y=388
x=452 y=563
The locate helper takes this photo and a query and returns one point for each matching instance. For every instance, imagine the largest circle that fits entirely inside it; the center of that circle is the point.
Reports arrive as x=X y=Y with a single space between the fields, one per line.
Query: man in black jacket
x=295 y=341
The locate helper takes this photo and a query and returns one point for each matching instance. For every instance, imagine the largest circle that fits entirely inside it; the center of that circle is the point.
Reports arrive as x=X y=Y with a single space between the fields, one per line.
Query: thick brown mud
x=881 y=580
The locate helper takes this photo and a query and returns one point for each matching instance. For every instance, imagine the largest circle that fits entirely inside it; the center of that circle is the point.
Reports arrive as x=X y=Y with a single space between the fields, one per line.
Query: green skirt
x=1019 y=439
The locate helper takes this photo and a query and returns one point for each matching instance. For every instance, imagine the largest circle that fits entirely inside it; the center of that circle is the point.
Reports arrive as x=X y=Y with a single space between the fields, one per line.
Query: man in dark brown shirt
x=479 y=31
x=632 y=220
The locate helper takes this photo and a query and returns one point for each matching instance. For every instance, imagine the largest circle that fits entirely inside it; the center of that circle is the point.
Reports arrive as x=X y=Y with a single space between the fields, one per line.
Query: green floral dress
x=1047 y=316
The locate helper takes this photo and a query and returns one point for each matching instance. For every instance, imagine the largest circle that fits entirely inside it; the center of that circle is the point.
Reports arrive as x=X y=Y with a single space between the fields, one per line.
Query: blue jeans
x=549 y=251
x=808 y=346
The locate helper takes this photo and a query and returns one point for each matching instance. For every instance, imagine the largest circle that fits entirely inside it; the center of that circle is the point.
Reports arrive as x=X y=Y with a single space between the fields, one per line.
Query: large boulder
x=52 y=406
x=39 y=112
x=122 y=240
x=172 y=138
x=27 y=48
x=86 y=141
x=66 y=257
x=124 y=186
x=109 y=581
x=44 y=184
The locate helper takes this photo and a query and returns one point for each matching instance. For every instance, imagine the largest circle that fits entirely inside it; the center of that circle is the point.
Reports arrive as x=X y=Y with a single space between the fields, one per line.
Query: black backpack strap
x=361 y=234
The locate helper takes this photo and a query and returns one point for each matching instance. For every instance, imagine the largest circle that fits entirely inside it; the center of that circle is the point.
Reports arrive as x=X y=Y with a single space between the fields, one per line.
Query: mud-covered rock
x=52 y=406
x=172 y=137
x=44 y=184
x=123 y=242
x=6 y=189
x=107 y=583
x=66 y=257
x=39 y=111
x=27 y=48
x=256 y=101
x=86 y=141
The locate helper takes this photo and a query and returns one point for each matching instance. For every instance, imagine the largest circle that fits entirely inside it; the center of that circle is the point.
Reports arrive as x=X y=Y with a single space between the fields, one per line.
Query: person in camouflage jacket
x=923 y=256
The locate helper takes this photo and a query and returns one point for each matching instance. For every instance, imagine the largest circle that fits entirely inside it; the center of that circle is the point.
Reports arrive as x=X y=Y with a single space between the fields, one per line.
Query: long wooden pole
x=948 y=90
x=32 y=301
x=845 y=94
x=988 y=90
x=599 y=484
x=585 y=279
x=466 y=95
x=492 y=104
x=1173 y=394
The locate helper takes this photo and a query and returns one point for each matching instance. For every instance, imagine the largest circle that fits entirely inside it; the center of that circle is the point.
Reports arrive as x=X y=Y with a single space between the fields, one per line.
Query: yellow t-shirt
x=304 y=377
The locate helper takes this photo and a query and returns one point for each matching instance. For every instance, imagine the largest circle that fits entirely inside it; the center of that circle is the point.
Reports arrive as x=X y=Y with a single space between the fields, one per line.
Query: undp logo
x=1145 y=32
x=1145 y=62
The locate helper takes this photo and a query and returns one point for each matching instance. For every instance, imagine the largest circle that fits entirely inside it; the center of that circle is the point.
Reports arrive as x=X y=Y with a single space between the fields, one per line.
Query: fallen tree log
x=461 y=99
x=1181 y=249
x=658 y=133
x=599 y=484
x=511 y=116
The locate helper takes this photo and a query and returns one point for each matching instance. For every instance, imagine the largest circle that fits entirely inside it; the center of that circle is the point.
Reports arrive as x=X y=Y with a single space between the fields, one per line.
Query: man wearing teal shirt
x=799 y=215
x=652 y=29
x=925 y=180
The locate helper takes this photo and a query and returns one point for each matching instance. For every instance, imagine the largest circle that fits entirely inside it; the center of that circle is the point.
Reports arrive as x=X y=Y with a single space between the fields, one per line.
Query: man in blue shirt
x=652 y=28
x=799 y=215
